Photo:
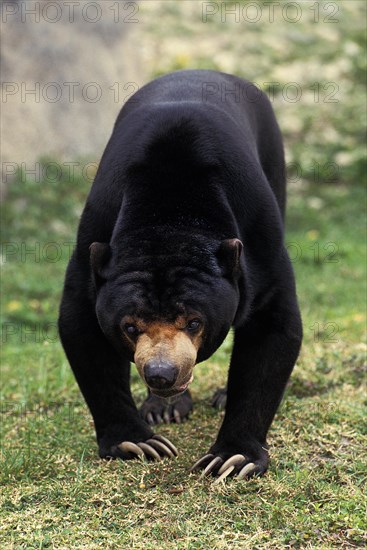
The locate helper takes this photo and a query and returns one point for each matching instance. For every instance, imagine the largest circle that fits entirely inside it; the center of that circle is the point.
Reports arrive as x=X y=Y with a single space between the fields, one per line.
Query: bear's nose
x=160 y=375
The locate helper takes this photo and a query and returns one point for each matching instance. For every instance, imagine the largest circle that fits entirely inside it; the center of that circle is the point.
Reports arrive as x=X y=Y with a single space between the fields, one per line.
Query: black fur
x=183 y=172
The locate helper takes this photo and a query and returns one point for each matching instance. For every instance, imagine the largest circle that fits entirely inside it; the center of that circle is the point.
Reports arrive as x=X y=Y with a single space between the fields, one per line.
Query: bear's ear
x=229 y=254
x=100 y=253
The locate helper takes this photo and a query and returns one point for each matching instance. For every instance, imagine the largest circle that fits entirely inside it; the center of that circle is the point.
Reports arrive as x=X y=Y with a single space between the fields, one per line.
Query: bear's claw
x=217 y=466
x=155 y=448
x=130 y=447
x=211 y=466
x=167 y=442
x=167 y=418
x=202 y=462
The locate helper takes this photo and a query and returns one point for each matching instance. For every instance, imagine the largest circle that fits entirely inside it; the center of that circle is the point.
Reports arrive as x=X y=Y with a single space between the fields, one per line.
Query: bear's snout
x=160 y=375
x=165 y=357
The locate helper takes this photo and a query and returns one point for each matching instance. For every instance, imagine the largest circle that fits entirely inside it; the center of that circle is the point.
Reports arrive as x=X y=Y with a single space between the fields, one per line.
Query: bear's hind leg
x=219 y=399
x=156 y=410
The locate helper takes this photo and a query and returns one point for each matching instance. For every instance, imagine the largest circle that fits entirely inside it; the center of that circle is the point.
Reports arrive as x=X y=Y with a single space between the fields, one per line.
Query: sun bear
x=182 y=238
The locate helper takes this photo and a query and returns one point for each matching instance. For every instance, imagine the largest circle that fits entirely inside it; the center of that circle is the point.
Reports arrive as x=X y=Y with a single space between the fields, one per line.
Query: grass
x=58 y=494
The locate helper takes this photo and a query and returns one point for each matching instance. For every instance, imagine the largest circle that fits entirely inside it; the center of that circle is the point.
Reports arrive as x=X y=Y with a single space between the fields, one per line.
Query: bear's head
x=167 y=309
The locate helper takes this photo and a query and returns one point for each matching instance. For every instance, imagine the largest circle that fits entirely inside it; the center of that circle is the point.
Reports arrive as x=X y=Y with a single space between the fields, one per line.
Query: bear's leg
x=104 y=380
x=264 y=353
x=156 y=410
x=219 y=399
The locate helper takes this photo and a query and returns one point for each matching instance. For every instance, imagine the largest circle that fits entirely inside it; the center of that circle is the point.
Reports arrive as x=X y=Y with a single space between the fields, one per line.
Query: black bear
x=181 y=239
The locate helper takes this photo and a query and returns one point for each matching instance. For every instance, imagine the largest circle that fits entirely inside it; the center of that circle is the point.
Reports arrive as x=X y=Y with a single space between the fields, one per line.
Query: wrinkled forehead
x=156 y=327
x=169 y=295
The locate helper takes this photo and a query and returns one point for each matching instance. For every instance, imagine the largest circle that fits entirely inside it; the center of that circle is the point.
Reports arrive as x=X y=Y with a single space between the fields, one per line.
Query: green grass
x=57 y=493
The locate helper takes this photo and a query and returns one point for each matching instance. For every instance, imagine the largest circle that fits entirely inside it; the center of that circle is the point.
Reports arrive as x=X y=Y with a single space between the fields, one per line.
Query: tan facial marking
x=167 y=342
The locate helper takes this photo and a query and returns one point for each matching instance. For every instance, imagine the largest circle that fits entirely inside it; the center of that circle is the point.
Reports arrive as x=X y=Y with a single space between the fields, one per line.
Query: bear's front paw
x=243 y=465
x=156 y=447
x=219 y=399
x=156 y=410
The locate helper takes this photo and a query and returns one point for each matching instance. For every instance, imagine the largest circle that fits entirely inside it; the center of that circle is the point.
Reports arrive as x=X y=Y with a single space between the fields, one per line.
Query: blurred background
x=66 y=70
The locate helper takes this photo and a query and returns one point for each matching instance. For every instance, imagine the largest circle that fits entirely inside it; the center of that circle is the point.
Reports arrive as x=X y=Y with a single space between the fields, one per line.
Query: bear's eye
x=131 y=330
x=193 y=325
